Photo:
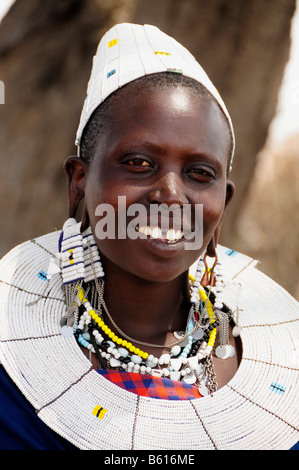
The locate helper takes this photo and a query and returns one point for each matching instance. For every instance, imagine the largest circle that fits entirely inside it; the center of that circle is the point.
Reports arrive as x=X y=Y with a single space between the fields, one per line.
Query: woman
x=128 y=336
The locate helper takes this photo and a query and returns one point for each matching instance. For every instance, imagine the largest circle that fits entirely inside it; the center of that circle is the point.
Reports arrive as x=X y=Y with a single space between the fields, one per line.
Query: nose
x=168 y=190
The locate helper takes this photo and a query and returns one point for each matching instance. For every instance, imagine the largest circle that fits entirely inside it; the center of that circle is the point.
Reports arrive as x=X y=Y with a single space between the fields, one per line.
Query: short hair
x=100 y=117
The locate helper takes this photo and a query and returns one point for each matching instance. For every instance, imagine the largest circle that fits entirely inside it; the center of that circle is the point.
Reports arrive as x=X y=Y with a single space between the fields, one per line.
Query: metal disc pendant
x=203 y=390
x=66 y=325
x=178 y=334
x=198 y=334
x=236 y=331
x=66 y=331
x=190 y=379
x=222 y=352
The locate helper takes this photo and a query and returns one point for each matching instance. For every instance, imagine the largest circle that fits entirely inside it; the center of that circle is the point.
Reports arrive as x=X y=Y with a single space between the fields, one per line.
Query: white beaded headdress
x=130 y=51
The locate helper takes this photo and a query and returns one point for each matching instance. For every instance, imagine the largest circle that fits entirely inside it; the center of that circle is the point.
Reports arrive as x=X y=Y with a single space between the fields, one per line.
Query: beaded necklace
x=183 y=362
x=188 y=359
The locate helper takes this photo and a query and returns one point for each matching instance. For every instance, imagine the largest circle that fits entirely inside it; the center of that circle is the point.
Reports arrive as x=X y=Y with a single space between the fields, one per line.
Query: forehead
x=168 y=116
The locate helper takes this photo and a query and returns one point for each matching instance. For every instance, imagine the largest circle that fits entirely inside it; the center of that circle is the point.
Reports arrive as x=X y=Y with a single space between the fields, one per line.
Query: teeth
x=145 y=230
x=171 y=235
x=174 y=234
x=156 y=233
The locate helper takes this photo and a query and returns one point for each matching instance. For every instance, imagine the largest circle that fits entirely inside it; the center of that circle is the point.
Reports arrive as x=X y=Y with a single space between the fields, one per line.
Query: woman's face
x=164 y=146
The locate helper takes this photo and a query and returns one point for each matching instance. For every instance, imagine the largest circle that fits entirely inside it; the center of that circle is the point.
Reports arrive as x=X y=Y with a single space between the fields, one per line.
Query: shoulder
x=259 y=299
x=26 y=265
x=25 y=291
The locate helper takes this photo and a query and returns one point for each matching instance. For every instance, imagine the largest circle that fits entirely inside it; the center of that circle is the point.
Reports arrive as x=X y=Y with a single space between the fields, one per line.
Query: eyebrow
x=153 y=147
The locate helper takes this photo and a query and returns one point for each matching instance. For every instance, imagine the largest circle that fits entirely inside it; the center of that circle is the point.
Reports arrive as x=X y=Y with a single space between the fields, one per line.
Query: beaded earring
x=78 y=260
x=78 y=255
x=71 y=252
x=92 y=260
x=224 y=350
x=213 y=278
x=237 y=329
x=195 y=298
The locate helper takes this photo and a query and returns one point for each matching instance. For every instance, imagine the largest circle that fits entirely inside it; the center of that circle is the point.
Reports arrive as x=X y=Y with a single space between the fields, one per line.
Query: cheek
x=213 y=209
x=106 y=204
x=99 y=193
x=102 y=187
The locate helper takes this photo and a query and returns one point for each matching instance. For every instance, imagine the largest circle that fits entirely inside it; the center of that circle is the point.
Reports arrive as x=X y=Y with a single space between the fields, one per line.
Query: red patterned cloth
x=149 y=386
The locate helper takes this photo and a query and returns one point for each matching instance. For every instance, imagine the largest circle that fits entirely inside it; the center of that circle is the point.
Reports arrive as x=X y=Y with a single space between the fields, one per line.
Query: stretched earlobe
x=230 y=191
x=75 y=169
x=85 y=220
x=211 y=248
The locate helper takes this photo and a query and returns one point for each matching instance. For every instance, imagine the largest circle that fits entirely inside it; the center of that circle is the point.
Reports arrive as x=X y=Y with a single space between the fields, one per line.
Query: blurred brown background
x=46 y=50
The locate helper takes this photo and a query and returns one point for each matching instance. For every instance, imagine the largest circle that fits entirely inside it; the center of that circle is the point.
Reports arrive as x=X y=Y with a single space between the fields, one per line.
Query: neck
x=145 y=310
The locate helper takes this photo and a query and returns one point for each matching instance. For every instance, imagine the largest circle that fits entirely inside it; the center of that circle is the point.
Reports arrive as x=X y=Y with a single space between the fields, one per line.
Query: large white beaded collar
x=257 y=409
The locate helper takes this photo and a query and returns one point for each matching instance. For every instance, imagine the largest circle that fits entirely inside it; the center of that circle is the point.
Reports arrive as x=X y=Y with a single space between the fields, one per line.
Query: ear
x=211 y=248
x=75 y=169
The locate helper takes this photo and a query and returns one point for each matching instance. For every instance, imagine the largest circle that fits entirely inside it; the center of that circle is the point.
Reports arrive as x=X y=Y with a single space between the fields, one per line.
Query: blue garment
x=20 y=427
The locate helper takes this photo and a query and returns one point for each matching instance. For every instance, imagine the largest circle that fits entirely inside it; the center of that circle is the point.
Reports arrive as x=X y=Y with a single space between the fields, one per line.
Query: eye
x=202 y=174
x=137 y=163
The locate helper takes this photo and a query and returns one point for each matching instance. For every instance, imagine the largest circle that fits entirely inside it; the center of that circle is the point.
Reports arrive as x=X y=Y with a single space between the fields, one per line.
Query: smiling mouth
x=171 y=236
